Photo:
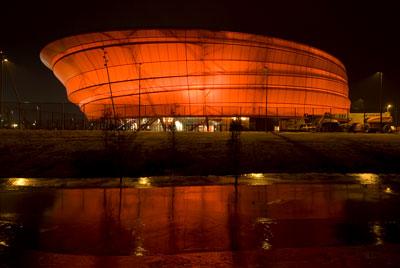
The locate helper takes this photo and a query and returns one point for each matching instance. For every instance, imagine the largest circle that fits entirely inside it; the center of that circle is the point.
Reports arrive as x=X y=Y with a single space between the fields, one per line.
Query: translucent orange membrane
x=196 y=73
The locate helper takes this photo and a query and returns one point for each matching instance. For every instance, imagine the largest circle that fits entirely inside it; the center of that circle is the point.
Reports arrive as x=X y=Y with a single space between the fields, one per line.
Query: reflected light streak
x=377 y=230
x=255 y=175
x=144 y=182
x=388 y=190
x=267 y=233
x=263 y=220
x=20 y=182
x=139 y=251
x=367 y=178
x=258 y=179
x=266 y=245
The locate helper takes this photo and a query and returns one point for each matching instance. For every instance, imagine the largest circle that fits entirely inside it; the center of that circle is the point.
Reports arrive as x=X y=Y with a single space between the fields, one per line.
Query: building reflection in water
x=367 y=178
x=170 y=220
x=377 y=231
x=20 y=181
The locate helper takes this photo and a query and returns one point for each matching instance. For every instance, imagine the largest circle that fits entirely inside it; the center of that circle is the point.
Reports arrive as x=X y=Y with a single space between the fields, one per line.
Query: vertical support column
x=266 y=97
x=140 y=74
x=380 y=100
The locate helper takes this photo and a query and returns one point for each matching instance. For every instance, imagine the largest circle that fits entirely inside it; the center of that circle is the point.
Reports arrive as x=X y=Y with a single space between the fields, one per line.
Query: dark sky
x=363 y=36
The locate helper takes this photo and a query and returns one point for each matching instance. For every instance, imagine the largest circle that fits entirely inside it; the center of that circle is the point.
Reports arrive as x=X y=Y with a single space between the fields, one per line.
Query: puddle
x=263 y=212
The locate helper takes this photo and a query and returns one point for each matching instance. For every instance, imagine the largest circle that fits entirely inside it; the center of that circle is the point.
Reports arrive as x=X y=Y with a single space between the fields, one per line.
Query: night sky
x=363 y=36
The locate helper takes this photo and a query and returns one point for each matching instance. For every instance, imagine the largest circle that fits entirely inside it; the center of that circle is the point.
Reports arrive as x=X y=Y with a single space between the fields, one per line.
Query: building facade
x=196 y=73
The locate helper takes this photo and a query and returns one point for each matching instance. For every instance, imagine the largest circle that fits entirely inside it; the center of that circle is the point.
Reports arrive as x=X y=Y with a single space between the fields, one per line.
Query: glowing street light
x=388 y=107
x=3 y=60
x=380 y=97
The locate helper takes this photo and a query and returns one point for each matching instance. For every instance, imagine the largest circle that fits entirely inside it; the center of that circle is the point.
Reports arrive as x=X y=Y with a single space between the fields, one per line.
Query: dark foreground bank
x=103 y=154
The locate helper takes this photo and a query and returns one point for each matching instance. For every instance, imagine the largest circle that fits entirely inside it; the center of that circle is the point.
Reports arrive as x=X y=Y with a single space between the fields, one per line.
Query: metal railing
x=67 y=116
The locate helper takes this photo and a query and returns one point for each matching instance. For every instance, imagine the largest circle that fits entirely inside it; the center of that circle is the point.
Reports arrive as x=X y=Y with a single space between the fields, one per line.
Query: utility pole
x=109 y=86
x=380 y=99
x=2 y=59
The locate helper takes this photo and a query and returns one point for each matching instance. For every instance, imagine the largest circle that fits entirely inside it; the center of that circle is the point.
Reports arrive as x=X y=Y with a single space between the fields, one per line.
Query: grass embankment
x=101 y=154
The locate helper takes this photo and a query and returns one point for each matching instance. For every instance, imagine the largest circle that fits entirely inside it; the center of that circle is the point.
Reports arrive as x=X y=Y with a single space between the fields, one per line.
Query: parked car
x=329 y=127
x=356 y=127
x=374 y=127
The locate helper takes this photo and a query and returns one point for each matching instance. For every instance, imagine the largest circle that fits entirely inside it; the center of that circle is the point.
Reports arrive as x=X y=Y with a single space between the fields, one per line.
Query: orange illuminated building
x=196 y=73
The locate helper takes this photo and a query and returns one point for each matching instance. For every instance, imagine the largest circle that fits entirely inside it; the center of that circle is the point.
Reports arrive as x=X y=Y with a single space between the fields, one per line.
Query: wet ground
x=256 y=220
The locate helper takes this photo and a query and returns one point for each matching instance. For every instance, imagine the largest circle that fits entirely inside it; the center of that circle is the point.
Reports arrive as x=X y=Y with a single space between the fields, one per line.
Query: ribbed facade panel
x=196 y=73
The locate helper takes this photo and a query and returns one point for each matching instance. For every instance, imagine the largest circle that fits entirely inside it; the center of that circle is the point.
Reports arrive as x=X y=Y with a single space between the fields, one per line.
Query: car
x=356 y=127
x=389 y=128
x=329 y=127
x=374 y=128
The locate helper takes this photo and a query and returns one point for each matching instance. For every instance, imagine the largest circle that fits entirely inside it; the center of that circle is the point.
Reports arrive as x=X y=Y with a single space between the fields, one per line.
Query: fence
x=67 y=116
x=41 y=116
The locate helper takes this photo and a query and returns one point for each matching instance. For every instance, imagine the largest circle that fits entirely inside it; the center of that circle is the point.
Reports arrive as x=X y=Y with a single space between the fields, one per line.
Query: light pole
x=265 y=69
x=380 y=99
x=109 y=87
x=1 y=88
x=3 y=60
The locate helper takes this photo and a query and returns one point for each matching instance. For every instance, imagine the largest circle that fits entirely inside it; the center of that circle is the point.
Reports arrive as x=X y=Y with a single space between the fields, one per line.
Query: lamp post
x=380 y=98
x=109 y=87
x=1 y=87
x=3 y=60
x=266 y=96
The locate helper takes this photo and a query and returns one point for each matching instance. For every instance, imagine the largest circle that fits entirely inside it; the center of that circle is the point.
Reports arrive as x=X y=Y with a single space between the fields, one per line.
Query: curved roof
x=196 y=73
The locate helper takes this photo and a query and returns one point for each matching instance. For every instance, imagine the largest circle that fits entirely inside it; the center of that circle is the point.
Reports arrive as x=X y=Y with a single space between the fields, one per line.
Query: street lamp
x=380 y=98
x=3 y=60
x=388 y=107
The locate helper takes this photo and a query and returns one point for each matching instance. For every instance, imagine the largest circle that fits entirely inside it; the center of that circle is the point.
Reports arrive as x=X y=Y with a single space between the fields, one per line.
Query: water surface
x=261 y=213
